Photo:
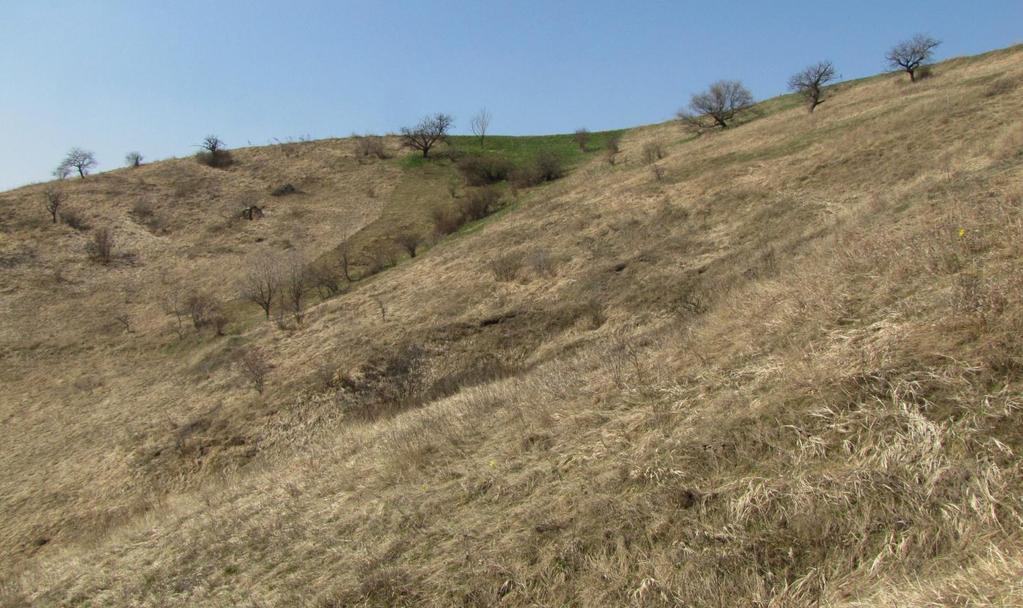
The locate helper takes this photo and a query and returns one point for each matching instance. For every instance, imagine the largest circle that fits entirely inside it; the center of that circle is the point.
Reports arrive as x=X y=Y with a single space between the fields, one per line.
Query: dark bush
x=323 y=278
x=483 y=169
x=446 y=221
x=218 y=159
x=546 y=166
x=284 y=190
x=614 y=146
x=101 y=248
x=480 y=203
x=594 y=313
x=549 y=166
x=74 y=219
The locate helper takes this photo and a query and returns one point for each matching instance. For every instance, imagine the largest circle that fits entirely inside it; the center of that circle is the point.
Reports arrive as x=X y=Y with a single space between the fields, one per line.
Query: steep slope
x=785 y=373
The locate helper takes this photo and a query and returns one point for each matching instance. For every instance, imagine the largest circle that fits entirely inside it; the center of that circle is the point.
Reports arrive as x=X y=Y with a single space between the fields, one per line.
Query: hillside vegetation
x=779 y=366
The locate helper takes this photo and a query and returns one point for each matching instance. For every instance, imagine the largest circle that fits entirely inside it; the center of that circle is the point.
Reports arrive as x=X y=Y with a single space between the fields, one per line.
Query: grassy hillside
x=782 y=370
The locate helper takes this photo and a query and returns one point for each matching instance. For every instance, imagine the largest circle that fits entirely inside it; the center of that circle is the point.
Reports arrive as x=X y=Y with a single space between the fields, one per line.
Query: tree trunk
x=81 y=173
x=912 y=75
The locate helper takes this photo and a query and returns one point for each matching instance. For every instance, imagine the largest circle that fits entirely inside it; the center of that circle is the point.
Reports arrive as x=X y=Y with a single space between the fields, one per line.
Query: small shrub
x=480 y=203
x=445 y=221
x=74 y=219
x=582 y=138
x=483 y=169
x=658 y=172
x=101 y=248
x=370 y=146
x=549 y=166
x=542 y=263
x=147 y=216
x=506 y=268
x=1002 y=86
x=284 y=190
x=924 y=72
x=653 y=152
x=593 y=312
x=255 y=367
x=546 y=166
x=614 y=146
x=205 y=311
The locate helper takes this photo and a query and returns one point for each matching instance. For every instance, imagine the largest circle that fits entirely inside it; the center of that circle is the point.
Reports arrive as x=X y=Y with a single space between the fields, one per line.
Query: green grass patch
x=519 y=149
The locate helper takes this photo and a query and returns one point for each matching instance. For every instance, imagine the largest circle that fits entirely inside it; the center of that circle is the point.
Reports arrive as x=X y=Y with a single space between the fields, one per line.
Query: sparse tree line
x=719 y=105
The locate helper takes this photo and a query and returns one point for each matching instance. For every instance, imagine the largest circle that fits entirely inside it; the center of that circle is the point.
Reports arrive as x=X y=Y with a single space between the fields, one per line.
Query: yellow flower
x=962 y=232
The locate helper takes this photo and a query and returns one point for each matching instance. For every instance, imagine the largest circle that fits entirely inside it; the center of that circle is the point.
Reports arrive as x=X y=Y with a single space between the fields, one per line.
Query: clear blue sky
x=114 y=76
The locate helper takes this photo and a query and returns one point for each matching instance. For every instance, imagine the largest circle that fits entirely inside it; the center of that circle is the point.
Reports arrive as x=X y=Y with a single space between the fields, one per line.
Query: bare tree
x=721 y=102
x=582 y=138
x=909 y=55
x=325 y=280
x=344 y=259
x=810 y=82
x=254 y=366
x=614 y=146
x=427 y=133
x=213 y=144
x=133 y=159
x=62 y=171
x=261 y=281
x=214 y=152
x=294 y=281
x=81 y=160
x=480 y=124
x=206 y=311
x=54 y=198
x=101 y=248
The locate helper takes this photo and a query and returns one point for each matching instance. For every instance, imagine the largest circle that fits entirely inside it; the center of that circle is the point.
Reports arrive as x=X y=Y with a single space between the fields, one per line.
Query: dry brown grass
x=803 y=389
